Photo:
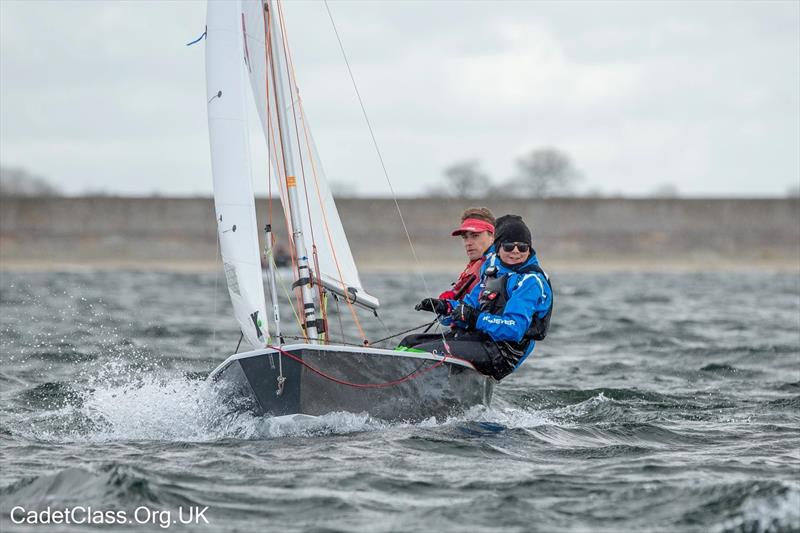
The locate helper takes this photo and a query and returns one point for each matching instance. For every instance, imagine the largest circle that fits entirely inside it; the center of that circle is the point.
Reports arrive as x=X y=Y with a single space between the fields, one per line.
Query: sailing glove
x=434 y=305
x=466 y=314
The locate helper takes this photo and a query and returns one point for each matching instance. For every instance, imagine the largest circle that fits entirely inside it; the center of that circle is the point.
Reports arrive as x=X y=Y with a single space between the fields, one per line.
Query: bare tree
x=343 y=189
x=20 y=182
x=465 y=179
x=545 y=172
x=666 y=190
x=436 y=191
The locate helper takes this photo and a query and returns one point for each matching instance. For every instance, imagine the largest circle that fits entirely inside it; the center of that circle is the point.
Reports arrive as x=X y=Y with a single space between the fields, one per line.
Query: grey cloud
x=640 y=93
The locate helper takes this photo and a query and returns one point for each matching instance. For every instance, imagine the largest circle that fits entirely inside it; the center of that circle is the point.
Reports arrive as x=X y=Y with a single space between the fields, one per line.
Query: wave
x=720 y=368
x=131 y=401
x=135 y=400
x=111 y=483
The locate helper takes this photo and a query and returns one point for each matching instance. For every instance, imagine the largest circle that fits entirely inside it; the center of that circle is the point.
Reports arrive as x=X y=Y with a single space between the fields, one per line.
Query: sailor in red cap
x=477 y=234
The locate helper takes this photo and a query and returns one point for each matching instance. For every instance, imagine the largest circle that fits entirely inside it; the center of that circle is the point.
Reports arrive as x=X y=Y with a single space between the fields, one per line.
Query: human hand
x=434 y=305
x=466 y=314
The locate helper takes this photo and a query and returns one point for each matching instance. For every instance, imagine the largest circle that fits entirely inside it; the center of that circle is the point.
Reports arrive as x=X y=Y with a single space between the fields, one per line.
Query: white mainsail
x=321 y=226
x=230 y=161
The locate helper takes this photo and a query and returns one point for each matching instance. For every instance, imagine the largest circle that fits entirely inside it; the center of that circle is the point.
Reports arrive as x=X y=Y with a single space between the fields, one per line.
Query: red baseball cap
x=474 y=225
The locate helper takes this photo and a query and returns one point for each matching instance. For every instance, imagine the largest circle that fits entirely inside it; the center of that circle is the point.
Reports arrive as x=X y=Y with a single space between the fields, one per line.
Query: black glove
x=465 y=313
x=434 y=305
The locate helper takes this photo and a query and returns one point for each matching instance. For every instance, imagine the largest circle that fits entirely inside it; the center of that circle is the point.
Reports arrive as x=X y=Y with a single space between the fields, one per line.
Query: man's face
x=476 y=243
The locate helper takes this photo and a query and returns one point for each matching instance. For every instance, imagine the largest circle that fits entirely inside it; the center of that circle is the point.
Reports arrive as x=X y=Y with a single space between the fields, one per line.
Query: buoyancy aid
x=505 y=290
x=466 y=280
x=494 y=296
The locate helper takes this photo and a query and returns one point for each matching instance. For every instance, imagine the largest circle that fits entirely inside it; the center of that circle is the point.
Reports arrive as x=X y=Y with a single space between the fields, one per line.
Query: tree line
x=541 y=173
x=19 y=182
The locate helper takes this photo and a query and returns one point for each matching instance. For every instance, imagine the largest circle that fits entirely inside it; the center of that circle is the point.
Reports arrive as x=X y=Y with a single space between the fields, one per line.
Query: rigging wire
x=380 y=158
x=270 y=68
x=279 y=278
x=339 y=316
x=292 y=92
x=325 y=222
x=271 y=266
x=280 y=163
x=385 y=327
x=409 y=330
x=300 y=114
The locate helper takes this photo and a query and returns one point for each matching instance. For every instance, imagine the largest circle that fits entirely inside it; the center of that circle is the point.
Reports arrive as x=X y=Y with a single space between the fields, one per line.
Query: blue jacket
x=528 y=294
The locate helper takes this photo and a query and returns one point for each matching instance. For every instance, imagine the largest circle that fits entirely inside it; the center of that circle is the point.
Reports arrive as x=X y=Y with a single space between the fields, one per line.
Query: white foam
x=335 y=423
x=507 y=416
x=771 y=513
x=133 y=399
x=123 y=404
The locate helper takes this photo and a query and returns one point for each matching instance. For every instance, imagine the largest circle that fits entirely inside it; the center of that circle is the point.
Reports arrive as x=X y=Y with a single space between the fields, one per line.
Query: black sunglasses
x=521 y=246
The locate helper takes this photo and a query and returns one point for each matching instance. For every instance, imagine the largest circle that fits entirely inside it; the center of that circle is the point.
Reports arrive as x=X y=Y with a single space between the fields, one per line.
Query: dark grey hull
x=432 y=388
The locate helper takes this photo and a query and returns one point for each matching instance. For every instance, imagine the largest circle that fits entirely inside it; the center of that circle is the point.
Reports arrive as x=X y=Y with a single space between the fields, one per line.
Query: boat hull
x=386 y=384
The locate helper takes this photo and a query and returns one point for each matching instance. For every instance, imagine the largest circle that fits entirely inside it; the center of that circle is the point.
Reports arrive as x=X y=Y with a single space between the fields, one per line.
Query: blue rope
x=199 y=38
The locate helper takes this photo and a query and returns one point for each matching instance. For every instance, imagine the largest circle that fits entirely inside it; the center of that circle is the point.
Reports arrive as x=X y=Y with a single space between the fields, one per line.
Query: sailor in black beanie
x=498 y=323
x=513 y=230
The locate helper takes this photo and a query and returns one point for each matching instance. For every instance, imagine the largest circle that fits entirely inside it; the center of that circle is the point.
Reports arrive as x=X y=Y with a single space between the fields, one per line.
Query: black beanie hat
x=512 y=229
x=503 y=219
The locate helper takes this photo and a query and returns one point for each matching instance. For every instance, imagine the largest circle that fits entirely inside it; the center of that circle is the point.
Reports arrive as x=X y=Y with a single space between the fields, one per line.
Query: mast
x=284 y=106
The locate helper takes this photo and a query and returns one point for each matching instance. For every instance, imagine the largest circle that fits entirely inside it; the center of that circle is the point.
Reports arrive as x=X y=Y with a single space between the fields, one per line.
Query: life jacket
x=494 y=296
x=466 y=280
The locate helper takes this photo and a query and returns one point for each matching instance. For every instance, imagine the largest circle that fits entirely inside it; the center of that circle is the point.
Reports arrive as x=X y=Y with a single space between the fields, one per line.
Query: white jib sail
x=320 y=220
x=230 y=161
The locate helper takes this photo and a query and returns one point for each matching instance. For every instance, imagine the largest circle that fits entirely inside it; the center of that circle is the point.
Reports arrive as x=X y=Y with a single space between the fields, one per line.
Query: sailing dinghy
x=246 y=44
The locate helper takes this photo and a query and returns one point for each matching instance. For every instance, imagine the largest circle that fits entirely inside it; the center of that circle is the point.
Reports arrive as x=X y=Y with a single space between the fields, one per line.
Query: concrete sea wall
x=581 y=232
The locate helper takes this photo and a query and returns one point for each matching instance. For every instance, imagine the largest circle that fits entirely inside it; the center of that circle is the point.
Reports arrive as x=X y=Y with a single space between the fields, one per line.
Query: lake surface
x=660 y=402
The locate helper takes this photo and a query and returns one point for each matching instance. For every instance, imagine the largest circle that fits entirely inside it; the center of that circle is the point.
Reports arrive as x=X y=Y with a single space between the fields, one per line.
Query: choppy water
x=661 y=402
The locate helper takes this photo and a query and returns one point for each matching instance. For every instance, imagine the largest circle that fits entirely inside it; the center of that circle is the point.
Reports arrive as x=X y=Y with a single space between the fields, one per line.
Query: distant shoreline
x=570 y=234
x=561 y=266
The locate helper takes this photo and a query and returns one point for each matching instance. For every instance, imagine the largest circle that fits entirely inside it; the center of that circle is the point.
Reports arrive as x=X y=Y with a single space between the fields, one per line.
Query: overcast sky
x=105 y=96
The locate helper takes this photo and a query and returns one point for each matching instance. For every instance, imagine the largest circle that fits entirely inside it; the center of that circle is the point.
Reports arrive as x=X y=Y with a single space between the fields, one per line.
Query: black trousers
x=475 y=347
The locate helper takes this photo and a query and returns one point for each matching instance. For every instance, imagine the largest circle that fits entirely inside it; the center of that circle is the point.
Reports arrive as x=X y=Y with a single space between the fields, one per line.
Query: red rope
x=383 y=385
